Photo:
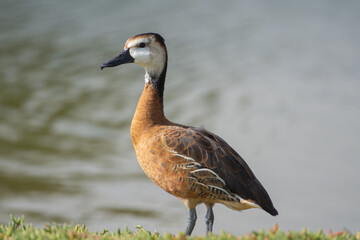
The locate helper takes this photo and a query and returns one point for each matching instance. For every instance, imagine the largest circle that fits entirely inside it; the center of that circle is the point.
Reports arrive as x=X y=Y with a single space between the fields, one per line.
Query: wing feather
x=227 y=169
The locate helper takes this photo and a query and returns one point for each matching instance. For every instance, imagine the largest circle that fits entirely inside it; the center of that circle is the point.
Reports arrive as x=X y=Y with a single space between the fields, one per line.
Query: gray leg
x=191 y=221
x=209 y=219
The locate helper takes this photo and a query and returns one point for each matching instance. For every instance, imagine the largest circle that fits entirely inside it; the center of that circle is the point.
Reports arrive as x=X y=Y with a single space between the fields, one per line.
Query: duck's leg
x=191 y=221
x=209 y=218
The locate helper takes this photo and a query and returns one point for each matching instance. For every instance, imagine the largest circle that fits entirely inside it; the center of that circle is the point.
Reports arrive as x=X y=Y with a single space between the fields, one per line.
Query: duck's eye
x=142 y=45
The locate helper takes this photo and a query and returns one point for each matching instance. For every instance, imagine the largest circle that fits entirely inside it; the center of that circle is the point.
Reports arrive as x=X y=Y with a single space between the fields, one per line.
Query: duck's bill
x=122 y=58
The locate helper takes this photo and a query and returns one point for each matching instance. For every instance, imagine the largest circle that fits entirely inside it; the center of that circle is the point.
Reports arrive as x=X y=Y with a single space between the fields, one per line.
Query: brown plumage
x=190 y=163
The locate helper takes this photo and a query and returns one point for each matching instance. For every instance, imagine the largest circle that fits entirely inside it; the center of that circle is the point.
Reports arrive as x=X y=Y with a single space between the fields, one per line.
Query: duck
x=190 y=163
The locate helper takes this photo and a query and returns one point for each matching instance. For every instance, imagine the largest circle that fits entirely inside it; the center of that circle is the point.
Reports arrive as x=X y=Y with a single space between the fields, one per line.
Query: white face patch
x=152 y=57
x=142 y=56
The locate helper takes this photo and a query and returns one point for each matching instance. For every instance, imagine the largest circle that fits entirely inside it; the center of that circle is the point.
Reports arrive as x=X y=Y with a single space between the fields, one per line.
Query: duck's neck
x=157 y=80
x=150 y=108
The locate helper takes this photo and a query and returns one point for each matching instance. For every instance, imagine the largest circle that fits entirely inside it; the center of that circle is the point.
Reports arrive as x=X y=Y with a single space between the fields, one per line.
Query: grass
x=16 y=229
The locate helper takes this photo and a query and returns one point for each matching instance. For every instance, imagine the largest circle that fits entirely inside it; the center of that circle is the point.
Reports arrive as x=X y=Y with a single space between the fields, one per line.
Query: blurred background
x=279 y=81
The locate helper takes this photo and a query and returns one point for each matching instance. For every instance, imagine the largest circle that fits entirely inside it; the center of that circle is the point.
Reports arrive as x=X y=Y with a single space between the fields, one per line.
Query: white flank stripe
x=212 y=172
x=183 y=156
x=226 y=192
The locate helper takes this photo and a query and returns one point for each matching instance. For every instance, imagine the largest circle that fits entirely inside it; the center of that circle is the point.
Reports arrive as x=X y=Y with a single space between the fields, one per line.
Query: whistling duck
x=190 y=163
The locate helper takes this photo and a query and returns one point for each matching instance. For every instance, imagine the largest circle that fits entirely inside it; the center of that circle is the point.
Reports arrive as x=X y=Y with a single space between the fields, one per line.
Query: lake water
x=279 y=81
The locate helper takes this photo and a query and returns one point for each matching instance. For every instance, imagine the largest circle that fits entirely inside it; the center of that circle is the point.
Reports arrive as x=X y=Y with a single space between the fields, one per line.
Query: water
x=279 y=81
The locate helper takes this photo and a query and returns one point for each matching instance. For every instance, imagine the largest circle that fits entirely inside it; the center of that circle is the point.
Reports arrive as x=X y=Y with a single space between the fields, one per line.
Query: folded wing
x=216 y=165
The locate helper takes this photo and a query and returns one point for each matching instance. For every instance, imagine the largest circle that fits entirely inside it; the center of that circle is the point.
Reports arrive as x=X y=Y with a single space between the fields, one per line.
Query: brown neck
x=149 y=112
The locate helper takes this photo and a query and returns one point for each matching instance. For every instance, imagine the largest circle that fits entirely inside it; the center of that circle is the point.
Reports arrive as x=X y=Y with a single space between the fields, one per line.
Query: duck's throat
x=157 y=80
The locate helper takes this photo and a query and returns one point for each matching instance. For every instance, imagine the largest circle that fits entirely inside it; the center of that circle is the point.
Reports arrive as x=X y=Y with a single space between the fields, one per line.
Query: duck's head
x=147 y=50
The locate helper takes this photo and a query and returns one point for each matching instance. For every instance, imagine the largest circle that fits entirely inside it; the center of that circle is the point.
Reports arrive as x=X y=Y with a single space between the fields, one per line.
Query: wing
x=217 y=164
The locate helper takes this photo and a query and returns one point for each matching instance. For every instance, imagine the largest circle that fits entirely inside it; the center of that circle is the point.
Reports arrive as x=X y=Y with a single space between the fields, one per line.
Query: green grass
x=16 y=229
